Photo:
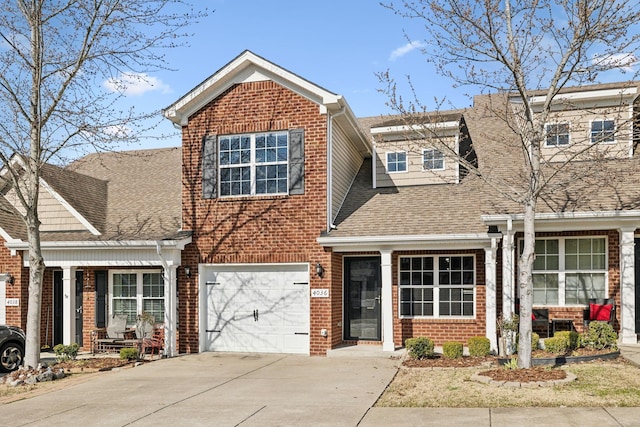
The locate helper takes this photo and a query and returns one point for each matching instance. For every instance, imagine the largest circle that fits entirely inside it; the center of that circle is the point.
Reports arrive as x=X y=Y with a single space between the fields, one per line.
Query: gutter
x=101 y=244
x=401 y=242
x=569 y=221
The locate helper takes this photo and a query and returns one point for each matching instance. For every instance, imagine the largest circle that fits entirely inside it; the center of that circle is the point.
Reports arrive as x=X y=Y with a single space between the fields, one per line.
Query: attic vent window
x=557 y=134
x=397 y=162
x=603 y=131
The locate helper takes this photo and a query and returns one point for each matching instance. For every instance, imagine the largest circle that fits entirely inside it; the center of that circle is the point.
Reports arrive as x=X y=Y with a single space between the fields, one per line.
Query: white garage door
x=256 y=308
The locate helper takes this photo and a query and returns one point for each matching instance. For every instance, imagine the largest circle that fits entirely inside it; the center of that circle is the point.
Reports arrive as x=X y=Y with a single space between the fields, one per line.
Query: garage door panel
x=257 y=308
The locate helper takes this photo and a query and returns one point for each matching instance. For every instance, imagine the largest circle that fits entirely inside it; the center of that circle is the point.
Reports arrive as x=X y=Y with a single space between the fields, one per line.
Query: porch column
x=68 y=305
x=387 y=301
x=491 y=297
x=508 y=288
x=627 y=287
x=170 y=310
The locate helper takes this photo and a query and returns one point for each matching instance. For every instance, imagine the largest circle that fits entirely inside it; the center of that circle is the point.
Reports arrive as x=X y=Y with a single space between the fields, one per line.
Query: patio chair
x=155 y=343
x=115 y=333
x=540 y=317
x=600 y=309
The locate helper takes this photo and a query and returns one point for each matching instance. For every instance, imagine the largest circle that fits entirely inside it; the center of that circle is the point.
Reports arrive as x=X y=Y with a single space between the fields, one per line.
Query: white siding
x=415 y=175
x=53 y=215
x=346 y=163
x=580 y=133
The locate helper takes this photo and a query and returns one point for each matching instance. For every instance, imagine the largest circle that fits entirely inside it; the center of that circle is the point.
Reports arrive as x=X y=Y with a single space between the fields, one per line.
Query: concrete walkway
x=216 y=389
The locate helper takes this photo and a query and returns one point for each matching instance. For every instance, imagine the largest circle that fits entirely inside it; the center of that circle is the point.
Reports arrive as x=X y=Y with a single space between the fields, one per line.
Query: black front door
x=78 y=307
x=637 y=283
x=362 y=298
x=57 y=307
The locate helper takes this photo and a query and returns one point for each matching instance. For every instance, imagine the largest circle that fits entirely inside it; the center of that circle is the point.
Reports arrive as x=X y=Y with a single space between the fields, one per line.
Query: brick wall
x=16 y=316
x=576 y=313
x=442 y=330
x=277 y=229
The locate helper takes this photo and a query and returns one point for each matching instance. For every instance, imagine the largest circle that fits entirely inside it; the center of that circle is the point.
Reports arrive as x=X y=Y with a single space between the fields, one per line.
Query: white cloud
x=622 y=61
x=402 y=51
x=135 y=84
x=118 y=131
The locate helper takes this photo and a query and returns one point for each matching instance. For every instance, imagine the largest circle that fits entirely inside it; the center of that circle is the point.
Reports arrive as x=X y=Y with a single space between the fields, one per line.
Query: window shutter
x=209 y=167
x=296 y=161
x=101 y=298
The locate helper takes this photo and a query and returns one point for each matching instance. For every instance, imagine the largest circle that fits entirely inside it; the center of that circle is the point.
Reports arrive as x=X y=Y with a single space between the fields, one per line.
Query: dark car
x=11 y=348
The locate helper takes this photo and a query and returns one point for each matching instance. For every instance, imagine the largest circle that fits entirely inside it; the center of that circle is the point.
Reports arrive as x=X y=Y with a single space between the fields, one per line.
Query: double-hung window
x=253 y=164
x=397 y=161
x=432 y=159
x=603 y=131
x=437 y=286
x=134 y=292
x=569 y=271
x=557 y=134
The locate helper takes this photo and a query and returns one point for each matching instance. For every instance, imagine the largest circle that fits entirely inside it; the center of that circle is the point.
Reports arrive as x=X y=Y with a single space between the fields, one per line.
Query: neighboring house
x=286 y=224
x=312 y=229
x=111 y=242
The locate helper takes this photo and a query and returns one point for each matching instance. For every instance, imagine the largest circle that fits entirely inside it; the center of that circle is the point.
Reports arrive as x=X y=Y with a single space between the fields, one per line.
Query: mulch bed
x=438 y=361
x=94 y=364
x=533 y=374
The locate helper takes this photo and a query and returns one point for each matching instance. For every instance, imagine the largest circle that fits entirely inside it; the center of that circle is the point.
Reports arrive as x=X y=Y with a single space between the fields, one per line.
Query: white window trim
x=546 y=145
x=562 y=271
x=615 y=131
x=252 y=164
x=139 y=288
x=396 y=152
x=436 y=288
x=444 y=166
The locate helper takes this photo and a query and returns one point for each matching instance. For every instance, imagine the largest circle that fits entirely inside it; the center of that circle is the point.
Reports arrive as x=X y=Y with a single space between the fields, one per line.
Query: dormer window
x=397 y=161
x=432 y=159
x=557 y=134
x=603 y=131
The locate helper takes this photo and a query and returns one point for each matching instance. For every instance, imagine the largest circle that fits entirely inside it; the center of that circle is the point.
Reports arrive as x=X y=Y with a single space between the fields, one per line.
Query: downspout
x=330 y=224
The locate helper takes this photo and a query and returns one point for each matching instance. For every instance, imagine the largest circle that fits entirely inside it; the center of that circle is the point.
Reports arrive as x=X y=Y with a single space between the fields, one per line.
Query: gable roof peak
x=248 y=67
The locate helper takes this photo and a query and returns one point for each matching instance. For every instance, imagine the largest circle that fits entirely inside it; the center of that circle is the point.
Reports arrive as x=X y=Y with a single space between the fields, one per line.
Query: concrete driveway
x=216 y=389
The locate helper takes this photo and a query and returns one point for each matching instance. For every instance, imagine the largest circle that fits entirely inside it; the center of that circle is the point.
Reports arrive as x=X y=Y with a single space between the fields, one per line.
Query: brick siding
x=277 y=229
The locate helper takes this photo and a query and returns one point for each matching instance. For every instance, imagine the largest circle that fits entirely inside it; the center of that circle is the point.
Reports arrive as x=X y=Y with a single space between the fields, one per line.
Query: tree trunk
x=36 y=278
x=525 y=282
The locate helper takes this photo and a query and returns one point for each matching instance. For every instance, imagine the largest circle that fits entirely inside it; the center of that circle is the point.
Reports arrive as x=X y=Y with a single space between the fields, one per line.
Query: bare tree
x=54 y=57
x=523 y=51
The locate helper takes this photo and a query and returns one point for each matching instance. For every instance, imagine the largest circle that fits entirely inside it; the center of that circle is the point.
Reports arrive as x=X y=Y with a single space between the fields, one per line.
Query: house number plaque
x=12 y=302
x=319 y=293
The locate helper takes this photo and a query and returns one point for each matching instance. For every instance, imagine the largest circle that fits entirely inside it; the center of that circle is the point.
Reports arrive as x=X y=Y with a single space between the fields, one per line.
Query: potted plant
x=508 y=328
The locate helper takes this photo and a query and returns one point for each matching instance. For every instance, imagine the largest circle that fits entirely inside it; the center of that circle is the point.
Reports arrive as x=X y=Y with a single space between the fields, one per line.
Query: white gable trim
x=246 y=67
x=70 y=208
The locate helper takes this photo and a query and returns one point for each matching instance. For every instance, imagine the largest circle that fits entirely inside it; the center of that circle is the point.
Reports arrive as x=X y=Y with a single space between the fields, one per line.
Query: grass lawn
x=615 y=383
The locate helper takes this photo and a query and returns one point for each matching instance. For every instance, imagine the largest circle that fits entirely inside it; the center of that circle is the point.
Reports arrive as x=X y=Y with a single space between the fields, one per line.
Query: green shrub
x=452 y=350
x=535 y=341
x=562 y=342
x=600 y=335
x=479 y=346
x=66 y=352
x=129 y=353
x=419 y=347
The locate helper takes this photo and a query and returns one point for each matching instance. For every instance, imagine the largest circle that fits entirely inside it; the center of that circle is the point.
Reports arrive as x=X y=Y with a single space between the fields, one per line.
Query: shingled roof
x=143 y=197
x=445 y=209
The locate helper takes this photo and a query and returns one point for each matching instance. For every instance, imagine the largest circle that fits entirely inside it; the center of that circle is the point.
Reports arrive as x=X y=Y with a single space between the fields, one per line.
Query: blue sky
x=339 y=45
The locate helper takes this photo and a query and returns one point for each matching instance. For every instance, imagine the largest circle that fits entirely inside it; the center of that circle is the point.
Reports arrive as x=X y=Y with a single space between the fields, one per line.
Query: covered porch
x=87 y=283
